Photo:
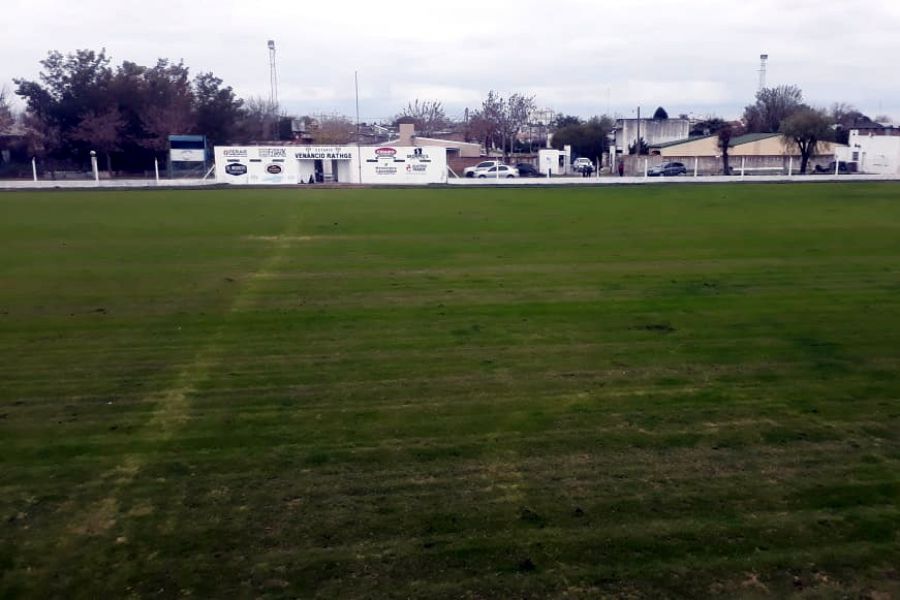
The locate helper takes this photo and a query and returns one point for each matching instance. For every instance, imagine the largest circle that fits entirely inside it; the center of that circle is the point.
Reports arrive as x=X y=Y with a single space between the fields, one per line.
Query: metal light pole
x=273 y=76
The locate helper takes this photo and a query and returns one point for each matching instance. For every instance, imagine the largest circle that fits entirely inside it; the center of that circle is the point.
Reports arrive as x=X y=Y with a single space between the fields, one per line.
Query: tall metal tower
x=763 y=58
x=273 y=77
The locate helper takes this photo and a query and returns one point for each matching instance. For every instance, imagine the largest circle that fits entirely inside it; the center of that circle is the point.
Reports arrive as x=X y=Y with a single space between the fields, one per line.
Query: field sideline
x=688 y=391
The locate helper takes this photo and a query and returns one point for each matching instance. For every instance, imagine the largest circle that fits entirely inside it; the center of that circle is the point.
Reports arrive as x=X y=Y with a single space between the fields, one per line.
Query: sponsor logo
x=236 y=169
x=273 y=169
x=273 y=153
x=385 y=152
x=385 y=170
x=235 y=152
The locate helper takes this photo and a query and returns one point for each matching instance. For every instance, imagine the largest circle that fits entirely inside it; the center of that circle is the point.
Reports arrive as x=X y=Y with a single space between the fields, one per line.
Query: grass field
x=668 y=391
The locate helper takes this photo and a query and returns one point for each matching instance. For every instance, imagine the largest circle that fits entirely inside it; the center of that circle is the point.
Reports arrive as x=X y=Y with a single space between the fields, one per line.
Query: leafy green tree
x=588 y=140
x=772 y=106
x=217 y=110
x=806 y=128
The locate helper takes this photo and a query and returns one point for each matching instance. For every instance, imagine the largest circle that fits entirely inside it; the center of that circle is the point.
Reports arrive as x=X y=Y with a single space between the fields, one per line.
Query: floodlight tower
x=763 y=59
x=273 y=77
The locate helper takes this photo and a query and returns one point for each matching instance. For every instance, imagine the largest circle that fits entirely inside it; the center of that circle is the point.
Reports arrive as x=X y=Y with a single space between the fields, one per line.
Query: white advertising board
x=289 y=165
x=403 y=165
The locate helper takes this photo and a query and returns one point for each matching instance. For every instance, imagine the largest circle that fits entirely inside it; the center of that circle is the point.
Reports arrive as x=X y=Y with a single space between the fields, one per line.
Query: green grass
x=667 y=391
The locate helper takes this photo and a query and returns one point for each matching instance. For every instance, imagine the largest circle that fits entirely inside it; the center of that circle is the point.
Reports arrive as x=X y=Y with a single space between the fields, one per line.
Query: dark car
x=668 y=169
x=527 y=170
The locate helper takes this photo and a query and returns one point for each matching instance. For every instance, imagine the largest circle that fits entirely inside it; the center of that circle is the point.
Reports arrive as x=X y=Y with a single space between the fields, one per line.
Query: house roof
x=684 y=141
x=751 y=137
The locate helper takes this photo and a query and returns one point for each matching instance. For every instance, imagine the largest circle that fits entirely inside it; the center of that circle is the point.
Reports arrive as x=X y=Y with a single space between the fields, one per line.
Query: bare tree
x=428 y=115
x=260 y=121
x=333 y=129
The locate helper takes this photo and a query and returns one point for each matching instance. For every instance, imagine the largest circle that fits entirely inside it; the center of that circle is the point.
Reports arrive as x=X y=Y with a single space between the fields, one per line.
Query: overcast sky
x=580 y=57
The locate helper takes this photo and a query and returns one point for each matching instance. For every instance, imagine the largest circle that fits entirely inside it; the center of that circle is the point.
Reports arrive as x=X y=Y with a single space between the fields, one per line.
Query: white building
x=874 y=151
x=652 y=131
x=292 y=165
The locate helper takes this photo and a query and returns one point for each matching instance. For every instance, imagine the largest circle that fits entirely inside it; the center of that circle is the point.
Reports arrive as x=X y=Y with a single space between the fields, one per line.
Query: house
x=873 y=150
x=455 y=149
x=652 y=131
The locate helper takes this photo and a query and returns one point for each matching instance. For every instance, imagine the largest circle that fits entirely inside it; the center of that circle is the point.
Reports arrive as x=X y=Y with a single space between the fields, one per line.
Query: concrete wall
x=653 y=132
x=712 y=165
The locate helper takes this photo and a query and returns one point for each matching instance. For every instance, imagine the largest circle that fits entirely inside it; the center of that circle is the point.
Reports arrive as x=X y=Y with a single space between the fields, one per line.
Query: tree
x=845 y=117
x=501 y=120
x=660 y=114
x=772 y=106
x=6 y=114
x=566 y=120
x=70 y=87
x=639 y=147
x=725 y=135
x=588 y=140
x=260 y=120
x=102 y=131
x=708 y=126
x=333 y=129
x=217 y=110
x=167 y=107
x=806 y=128
x=428 y=116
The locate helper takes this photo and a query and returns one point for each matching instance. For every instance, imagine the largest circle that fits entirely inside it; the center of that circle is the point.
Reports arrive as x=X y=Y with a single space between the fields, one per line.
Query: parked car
x=505 y=172
x=482 y=166
x=528 y=170
x=580 y=165
x=668 y=169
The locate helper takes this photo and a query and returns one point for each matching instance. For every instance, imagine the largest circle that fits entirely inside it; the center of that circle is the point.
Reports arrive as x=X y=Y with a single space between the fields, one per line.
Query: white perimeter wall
x=370 y=165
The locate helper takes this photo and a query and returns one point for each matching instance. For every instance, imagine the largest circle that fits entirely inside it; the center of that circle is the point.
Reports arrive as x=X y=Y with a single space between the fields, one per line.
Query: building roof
x=748 y=138
x=751 y=137
x=684 y=141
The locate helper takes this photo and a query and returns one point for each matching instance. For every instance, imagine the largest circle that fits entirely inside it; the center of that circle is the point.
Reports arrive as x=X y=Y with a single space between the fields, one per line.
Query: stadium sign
x=236 y=169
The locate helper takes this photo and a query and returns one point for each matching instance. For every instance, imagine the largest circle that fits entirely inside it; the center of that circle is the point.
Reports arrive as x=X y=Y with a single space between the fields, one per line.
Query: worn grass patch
x=635 y=392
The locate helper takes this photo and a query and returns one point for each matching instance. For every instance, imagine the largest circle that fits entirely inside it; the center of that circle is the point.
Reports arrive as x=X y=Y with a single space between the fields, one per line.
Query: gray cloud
x=577 y=56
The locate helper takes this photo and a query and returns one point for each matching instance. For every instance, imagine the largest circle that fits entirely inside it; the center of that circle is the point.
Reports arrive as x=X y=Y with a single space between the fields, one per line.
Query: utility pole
x=637 y=141
x=273 y=90
x=358 y=150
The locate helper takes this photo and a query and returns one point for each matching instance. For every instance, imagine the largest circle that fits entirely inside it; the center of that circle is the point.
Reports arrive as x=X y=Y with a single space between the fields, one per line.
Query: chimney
x=407 y=134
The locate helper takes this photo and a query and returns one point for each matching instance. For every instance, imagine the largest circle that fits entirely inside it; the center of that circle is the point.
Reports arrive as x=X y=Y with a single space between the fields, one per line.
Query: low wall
x=712 y=165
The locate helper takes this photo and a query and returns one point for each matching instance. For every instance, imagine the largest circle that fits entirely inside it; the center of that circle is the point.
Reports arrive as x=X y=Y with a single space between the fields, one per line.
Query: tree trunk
x=725 y=167
x=109 y=164
x=804 y=159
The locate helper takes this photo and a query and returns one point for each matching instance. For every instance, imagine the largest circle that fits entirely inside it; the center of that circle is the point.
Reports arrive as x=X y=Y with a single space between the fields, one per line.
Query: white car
x=579 y=165
x=505 y=172
x=482 y=166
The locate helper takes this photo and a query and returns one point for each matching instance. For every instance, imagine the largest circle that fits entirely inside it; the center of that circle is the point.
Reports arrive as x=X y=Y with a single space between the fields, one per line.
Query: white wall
x=558 y=162
x=879 y=154
x=290 y=165
x=403 y=165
